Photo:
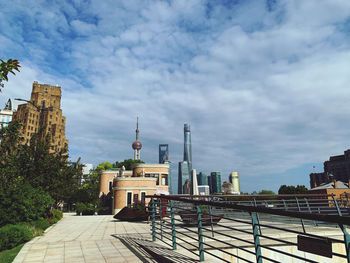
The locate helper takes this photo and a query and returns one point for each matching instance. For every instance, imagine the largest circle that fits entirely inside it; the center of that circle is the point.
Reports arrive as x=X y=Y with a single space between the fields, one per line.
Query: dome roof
x=137 y=145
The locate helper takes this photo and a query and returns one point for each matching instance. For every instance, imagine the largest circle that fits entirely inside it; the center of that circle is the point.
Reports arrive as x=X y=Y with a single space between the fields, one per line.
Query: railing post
x=153 y=220
x=346 y=241
x=173 y=231
x=211 y=221
x=301 y=220
x=309 y=208
x=200 y=235
x=160 y=218
x=336 y=205
x=256 y=238
x=257 y=216
x=285 y=205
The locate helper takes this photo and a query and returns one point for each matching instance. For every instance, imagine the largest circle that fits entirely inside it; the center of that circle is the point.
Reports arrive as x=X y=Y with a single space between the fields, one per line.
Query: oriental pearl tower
x=137 y=145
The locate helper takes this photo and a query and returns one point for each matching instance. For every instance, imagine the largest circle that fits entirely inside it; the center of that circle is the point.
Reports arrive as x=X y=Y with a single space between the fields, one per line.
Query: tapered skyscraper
x=188 y=146
x=185 y=167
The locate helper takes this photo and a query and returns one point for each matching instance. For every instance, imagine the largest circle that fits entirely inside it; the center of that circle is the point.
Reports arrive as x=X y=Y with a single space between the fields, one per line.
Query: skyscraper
x=185 y=167
x=188 y=146
x=202 y=179
x=164 y=158
x=163 y=153
x=216 y=182
x=234 y=180
x=184 y=176
x=43 y=111
x=137 y=145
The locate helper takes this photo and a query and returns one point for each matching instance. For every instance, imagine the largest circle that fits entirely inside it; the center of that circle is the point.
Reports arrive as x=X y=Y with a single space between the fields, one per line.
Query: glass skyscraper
x=183 y=176
x=185 y=167
x=163 y=153
x=202 y=179
x=215 y=182
x=188 y=146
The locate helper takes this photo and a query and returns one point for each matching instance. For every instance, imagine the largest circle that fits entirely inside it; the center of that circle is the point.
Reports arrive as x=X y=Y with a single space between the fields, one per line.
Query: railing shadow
x=148 y=251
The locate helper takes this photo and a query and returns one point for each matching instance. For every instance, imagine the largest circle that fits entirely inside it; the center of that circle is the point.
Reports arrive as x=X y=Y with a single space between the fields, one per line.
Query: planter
x=190 y=218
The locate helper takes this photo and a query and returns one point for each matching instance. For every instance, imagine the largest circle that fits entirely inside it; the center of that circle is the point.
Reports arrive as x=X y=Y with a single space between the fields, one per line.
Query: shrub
x=53 y=221
x=22 y=203
x=89 y=210
x=104 y=211
x=13 y=235
x=40 y=223
x=139 y=206
x=80 y=207
x=85 y=209
x=55 y=213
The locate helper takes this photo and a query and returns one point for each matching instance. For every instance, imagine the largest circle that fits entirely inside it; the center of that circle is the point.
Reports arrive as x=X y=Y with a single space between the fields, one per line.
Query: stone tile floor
x=86 y=239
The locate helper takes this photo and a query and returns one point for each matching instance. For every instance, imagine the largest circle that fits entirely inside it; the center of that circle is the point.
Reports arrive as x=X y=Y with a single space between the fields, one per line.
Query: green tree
x=128 y=163
x=291 y=189
x=104 y=166
x=266 y=192
x=7 y=67
x=34 y=164
x=89 y=190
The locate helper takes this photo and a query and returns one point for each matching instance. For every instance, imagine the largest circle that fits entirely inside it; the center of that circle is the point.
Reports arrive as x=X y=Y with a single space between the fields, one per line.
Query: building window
x=143 y=197
x=110 y=184
x=128 y=198
x=136 y=198
x=164 y=180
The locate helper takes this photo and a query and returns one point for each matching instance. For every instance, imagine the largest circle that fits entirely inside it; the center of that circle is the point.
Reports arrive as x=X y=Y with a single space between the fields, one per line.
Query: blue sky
x=264 y=84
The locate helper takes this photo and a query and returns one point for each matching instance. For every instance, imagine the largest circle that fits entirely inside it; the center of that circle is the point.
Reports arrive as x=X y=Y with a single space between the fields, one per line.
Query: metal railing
x=306 y=228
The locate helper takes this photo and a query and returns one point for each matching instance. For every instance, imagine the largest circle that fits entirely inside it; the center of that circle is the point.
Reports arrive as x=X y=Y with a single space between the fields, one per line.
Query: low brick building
x=130 y=186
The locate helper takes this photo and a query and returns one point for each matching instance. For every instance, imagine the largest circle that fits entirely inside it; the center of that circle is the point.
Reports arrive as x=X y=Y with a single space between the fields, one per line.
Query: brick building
x=43 y=110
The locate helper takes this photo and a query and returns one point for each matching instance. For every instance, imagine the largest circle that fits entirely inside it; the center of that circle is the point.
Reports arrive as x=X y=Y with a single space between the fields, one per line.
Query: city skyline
x=264 y=84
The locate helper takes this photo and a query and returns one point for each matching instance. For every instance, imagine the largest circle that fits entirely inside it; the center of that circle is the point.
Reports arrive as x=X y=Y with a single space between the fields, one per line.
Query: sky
x=265 y=85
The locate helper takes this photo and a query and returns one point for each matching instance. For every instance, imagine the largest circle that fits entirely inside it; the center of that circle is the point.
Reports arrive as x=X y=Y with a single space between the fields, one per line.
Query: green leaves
x=7 y=67
x=34 y=164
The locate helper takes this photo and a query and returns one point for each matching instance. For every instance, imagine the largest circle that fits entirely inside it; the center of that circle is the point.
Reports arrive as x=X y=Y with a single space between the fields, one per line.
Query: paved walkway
x=86 y=239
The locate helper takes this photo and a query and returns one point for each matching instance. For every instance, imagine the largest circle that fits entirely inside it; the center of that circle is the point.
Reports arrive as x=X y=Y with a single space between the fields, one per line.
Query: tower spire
x=137 y=145
x=137 y=129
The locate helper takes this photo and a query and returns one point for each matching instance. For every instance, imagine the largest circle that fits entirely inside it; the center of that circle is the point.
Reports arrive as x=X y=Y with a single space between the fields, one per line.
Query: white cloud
x=264 y=91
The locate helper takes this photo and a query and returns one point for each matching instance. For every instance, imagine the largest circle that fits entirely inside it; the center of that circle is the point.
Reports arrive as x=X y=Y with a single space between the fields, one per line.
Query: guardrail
x=253 y=230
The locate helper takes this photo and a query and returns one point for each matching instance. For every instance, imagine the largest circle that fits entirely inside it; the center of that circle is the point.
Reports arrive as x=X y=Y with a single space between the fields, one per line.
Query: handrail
x=302 y=215
x=268 y=232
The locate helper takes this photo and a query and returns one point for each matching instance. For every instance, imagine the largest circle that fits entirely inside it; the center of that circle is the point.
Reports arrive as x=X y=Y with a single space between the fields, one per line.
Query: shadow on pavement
x=148 y=251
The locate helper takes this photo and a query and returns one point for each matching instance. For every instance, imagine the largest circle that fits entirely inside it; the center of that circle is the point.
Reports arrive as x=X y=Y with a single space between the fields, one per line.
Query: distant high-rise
x=234 y=180
x=202 y=179
x=183 y=176
x=163 y=153
x=188 y=146
x=164 y=158
x=210 y=184
x=137 y=145
x=185 y=167
x=216 y=182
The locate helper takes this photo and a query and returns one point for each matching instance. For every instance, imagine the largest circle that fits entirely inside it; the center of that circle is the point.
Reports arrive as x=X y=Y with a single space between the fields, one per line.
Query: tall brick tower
x=43 y=110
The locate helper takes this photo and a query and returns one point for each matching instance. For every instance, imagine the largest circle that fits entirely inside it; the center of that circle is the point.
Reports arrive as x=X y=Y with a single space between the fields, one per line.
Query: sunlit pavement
x=84 y=239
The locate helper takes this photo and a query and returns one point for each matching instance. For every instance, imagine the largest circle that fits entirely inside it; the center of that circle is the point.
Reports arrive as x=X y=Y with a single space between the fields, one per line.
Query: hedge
x=23 y=203
x=55 y=213
x=13 y=235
